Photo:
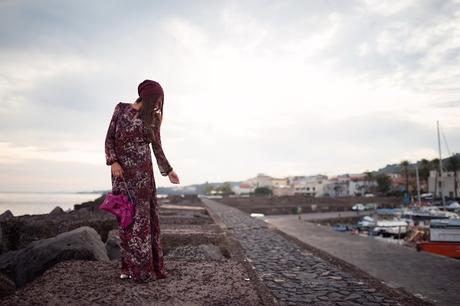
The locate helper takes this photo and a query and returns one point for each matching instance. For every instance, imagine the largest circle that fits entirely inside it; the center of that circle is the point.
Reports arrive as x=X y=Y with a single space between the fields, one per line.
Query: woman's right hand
x=117 y=170
x=173 y=177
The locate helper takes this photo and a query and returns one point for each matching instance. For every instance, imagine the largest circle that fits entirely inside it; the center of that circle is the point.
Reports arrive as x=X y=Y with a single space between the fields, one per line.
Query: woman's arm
x=110 y=153
x=162 y=161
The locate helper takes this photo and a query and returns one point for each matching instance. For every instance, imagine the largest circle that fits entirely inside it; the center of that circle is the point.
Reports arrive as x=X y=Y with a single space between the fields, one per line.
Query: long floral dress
x=126 y=143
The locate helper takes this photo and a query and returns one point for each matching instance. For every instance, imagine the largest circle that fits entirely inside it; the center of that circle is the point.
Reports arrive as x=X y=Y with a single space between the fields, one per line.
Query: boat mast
x=440 y=168
x=418 y=185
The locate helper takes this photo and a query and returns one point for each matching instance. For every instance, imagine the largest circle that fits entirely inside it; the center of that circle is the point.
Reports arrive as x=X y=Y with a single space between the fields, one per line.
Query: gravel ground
x=204 y=267
x=296 y=276
x=193 y=253
x=78 y=282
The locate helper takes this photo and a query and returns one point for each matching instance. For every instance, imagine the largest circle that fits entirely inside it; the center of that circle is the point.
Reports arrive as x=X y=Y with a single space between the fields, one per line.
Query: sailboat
x=444 y=237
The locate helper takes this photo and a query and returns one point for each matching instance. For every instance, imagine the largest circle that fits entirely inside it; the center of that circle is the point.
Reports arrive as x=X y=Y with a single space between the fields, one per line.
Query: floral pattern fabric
x=127 y=143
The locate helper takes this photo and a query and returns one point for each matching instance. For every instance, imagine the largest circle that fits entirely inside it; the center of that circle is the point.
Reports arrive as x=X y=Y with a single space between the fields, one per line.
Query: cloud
x=65 y=152
x=449 y=104
x=387 y=7
x=412 y=42
x=262 y=86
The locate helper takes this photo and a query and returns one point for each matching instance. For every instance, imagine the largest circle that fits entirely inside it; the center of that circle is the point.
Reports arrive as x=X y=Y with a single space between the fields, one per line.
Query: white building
x=447 y=183
x=242 y=188
x=283 y=191
x=261 y=180
x=338 y=186
x=360 y=184
x=308 y=185
x=349 y=185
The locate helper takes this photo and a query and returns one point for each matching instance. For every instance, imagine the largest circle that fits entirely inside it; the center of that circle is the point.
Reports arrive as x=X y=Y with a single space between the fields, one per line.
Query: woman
x=132 y=128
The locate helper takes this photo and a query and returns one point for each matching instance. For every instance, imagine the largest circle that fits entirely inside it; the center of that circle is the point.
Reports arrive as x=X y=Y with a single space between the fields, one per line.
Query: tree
x=369 y=179
x=405 y=171
x=225 y=188
x=412 y=182
x=383 y=183
x=208 y=188
x=263 y=191
x=453 y=164
x=424 y=170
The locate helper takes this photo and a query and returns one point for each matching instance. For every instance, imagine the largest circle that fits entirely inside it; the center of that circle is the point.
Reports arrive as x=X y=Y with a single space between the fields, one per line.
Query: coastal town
x=392 y=180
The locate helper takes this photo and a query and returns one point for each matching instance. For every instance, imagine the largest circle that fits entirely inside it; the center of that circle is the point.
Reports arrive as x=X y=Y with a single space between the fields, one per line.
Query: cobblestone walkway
x=295 y=277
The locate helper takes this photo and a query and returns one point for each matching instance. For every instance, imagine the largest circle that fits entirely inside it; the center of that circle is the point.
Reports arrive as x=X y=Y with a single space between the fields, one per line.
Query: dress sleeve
x=110 y=153
x=162 y=162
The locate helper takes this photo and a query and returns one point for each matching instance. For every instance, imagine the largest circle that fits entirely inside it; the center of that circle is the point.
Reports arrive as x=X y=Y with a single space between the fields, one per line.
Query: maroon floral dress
x=127 y=143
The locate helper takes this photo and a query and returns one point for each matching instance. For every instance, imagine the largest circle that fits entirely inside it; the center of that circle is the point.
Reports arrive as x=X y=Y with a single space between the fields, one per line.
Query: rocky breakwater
x=25 y=264
x=17 y=232
x=204 y=265
x=32 y=244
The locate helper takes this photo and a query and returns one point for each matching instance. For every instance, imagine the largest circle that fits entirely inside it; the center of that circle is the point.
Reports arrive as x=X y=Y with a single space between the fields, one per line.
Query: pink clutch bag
x=120 y=206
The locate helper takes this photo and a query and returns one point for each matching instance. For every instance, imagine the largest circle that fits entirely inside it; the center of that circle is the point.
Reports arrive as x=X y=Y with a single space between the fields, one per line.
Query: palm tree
x=369 y=178
x=424 y=170
x=453 y=165
x=405 y=170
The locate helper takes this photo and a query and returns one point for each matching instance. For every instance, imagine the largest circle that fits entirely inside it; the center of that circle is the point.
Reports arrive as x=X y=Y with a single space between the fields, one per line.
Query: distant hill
x=390 y=168
x=395 y=168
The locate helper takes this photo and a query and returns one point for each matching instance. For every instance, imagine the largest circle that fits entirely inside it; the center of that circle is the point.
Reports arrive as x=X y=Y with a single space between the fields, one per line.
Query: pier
x=429 y=276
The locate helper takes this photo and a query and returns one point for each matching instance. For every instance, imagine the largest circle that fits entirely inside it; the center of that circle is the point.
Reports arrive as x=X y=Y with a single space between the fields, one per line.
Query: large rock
x=24 y=265
x=112 y=245
x=17 y=232
x=7 y=286
x=6 y=215
x=57 y=211
x=91 y=205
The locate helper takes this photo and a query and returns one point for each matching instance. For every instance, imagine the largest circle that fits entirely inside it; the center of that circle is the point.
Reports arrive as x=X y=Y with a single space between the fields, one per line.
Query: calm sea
x=41 y=203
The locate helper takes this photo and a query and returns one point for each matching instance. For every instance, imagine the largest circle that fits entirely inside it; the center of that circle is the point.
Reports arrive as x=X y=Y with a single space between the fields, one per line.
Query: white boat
x=358 y=207
x=444 y=238
x=428 y=213
x=366 y=222
x=445 y=230
x=453 y=206
x=257 y=215
x=390 y=227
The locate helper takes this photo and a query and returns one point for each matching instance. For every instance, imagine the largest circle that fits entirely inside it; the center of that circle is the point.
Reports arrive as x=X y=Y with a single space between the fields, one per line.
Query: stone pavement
x=427 y=275
x=295 y=276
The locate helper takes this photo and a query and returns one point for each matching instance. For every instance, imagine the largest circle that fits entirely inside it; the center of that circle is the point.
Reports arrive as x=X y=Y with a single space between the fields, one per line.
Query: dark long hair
x=151 y=113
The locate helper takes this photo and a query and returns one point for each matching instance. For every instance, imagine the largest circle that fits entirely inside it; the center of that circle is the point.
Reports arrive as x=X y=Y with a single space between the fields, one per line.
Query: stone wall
x=288 y=204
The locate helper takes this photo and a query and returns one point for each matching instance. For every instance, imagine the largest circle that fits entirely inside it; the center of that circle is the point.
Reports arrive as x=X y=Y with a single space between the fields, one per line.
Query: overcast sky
x=279 y=87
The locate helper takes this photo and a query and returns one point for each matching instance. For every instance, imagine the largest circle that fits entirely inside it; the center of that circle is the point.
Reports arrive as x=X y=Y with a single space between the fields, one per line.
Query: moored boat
x=390 y=228
x=450 y=249
x=444 y=238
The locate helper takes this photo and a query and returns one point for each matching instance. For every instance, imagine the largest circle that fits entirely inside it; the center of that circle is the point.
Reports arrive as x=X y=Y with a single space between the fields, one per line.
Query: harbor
x=426 y=275
x=426 y=228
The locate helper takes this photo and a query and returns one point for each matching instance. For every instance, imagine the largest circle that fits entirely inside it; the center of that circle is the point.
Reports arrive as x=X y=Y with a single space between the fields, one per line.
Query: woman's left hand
x=173 y=178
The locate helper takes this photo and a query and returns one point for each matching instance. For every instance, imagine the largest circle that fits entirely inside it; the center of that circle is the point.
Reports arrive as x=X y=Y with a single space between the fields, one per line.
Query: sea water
x=41 y=203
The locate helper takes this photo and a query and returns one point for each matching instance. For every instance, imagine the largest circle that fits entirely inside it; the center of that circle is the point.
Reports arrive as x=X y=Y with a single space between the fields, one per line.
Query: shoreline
x=23 y=204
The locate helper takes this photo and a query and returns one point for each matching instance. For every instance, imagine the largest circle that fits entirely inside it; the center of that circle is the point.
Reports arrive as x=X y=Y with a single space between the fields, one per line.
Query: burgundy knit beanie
x=149 y=87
